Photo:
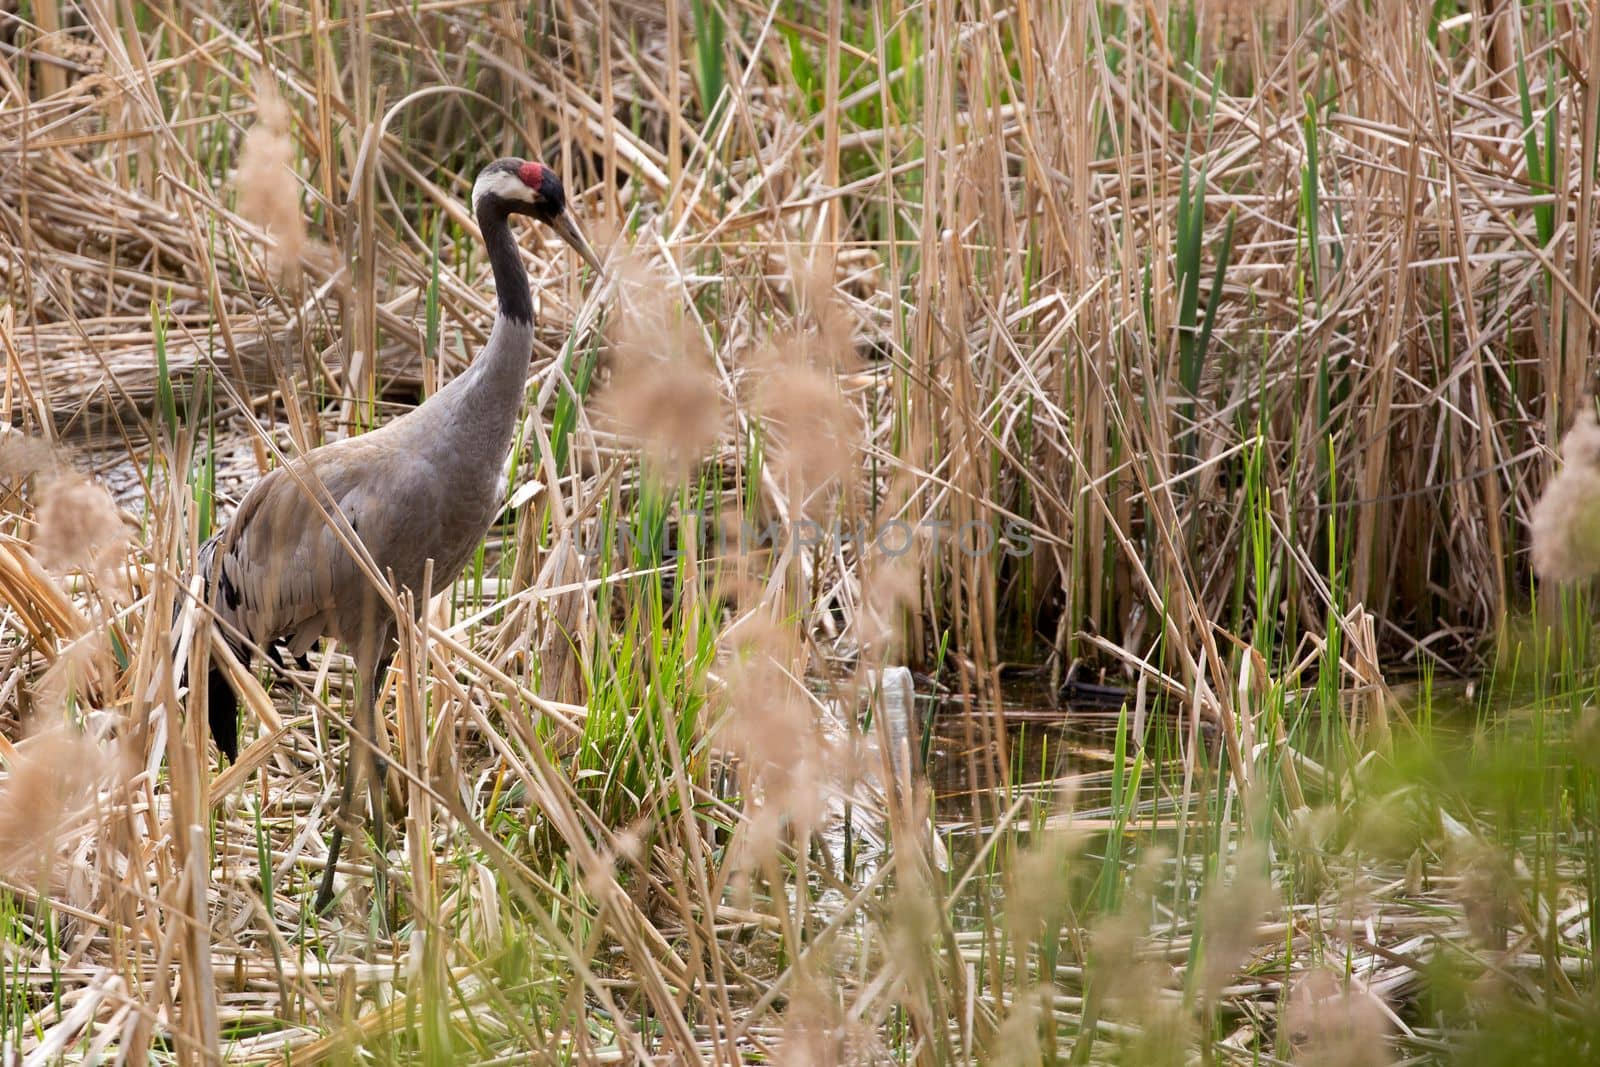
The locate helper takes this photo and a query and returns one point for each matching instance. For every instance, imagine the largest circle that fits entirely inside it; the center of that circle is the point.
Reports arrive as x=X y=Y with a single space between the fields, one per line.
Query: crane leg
x=361 y=755
x=336 y=843
x=377 y=792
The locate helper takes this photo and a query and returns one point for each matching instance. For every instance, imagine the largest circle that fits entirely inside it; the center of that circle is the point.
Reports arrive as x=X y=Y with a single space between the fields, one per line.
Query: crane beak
x=568 y=230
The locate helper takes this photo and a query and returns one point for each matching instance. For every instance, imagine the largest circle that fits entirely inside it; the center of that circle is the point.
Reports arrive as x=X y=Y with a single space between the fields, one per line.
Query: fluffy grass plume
x=1566 y=520
x=269 y=189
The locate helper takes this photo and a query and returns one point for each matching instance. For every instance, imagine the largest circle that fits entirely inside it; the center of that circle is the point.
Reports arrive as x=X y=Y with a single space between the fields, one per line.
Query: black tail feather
x=222 y=702
x=222 y=709
x=275 y=654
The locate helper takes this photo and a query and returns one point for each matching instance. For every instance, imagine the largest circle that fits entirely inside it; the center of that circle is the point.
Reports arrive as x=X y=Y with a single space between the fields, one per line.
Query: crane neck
x=477 y=412
x=510 y=277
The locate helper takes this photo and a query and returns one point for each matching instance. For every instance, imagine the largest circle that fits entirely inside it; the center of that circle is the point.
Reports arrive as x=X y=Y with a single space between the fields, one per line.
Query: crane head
x=528 y=187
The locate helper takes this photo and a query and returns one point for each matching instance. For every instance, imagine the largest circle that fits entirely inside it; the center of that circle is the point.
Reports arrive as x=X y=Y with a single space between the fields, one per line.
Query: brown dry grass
x=939 y=281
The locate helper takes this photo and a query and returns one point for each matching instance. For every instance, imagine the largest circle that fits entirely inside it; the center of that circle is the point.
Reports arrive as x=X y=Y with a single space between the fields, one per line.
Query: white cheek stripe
x=502 y=184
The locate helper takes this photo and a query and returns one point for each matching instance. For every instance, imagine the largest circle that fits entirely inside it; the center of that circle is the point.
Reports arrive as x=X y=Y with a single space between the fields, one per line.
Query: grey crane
x=423 y=487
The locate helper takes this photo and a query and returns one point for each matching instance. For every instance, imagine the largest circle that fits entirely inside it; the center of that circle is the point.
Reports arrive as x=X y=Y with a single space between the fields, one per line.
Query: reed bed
x=1211 y=353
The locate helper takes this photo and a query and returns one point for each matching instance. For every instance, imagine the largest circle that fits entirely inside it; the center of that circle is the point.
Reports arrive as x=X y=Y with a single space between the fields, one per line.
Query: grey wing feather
x=293 y=575
x=288 y=570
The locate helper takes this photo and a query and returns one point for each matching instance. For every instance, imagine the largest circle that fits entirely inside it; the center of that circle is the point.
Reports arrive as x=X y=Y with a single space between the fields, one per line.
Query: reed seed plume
x=1566 y=520
x=269 y=189
x=42 y=795
x=662 y=394
x=1034 y=900
x=815 y=434
x=1133 y=979
x=79 y=670
x=1331 y=1021
x=80 y=528
x=1484 y=880
x=771 y=725
x=829 y=342
x=814 y=1028
x=1016 y=1041
x=1230 y=916
x=22 y=457
x=889 y=591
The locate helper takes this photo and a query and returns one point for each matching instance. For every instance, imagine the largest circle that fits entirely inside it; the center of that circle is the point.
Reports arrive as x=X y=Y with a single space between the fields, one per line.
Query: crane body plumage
x=281 y=571
x=425 y=486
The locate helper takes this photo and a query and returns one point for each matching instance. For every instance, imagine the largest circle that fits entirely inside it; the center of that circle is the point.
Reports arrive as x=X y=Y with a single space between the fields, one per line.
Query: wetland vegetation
x=1024 y=557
